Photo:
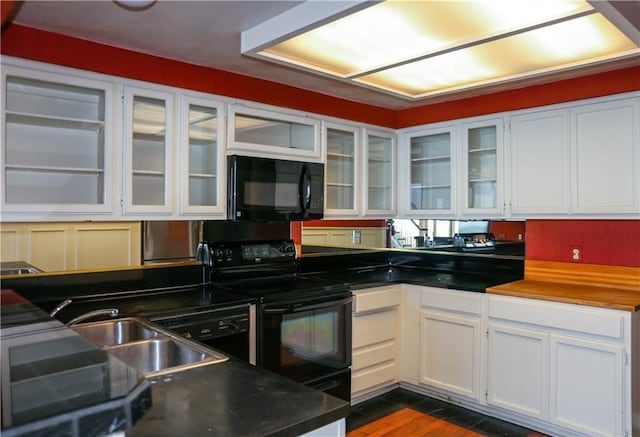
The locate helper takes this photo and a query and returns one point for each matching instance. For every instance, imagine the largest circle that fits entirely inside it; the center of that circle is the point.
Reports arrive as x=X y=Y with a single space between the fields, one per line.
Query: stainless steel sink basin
x=118 y=331
x=148 y=348
x=160 y=356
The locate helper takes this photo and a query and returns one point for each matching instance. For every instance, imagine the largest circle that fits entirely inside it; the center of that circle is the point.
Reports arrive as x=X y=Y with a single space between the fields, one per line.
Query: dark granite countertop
x=383 y=275
x=235 y=399
x=54 y=382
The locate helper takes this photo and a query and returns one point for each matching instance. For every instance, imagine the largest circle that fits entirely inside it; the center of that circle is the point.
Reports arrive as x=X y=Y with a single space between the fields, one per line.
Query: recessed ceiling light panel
x=418 y=48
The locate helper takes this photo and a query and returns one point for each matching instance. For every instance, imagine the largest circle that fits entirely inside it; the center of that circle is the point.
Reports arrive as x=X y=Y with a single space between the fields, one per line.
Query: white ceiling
x=208 y=33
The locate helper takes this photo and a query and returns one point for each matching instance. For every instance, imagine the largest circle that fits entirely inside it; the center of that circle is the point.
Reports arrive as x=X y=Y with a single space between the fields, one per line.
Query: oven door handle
x=293 y=308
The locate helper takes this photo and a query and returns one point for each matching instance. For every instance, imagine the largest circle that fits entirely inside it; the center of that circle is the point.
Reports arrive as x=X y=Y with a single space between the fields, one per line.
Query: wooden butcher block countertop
x=615 y=287
x=604 y=297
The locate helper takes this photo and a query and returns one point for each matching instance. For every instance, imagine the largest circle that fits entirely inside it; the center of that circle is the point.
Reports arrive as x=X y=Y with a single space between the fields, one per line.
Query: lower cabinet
x=563 y=369
x=517 y=374
x=560 y=363
x=586 y=386
x=450 y=341
x=375 y=338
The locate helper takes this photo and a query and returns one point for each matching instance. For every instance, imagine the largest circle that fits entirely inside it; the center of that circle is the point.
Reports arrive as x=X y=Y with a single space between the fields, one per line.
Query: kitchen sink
x=149 y=349
x=117 y=331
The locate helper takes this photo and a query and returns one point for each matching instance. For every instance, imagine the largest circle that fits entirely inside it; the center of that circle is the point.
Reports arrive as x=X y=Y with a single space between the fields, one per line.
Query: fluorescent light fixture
x=421 y=48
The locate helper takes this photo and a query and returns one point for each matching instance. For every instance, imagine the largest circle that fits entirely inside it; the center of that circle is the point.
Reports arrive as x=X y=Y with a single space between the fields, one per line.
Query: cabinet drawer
x=375 y=355
x=378 y=298
x=370 y=378
x=373 y=328
x=452 y=300
x=607 y=323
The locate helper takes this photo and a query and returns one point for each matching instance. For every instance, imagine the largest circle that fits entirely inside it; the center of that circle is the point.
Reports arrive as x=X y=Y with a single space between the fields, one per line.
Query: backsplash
x=604 y=242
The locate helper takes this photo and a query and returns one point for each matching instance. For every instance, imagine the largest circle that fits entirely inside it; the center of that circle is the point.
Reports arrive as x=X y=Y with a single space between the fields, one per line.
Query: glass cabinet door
x=482 y=167
x=380 y=173
x=341 y=171
x=201 y=156
x=265 y=133
x=149 y=140
x=431 y=171
x=55 y=153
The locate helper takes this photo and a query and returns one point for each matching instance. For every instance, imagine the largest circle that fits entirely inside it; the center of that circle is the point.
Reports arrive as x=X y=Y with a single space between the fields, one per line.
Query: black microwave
x=265 y=189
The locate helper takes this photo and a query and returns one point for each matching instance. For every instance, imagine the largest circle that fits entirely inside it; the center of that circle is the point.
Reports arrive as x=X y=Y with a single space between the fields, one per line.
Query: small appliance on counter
x=265 y=189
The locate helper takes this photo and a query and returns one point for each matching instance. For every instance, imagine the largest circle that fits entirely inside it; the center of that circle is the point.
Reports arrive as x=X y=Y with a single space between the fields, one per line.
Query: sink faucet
x=103 y=312
x=58 y=307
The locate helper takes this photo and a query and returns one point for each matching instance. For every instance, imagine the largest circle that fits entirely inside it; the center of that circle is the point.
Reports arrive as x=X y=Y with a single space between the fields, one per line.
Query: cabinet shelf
x=431 y=159
x=339 y=155
x=339 y=185
x=429 y=187
x=148 y=136
x=202 y=175
x=51 y=169
x=148 y=173
x=55 y=122
x=481 y=180
x=482 y=150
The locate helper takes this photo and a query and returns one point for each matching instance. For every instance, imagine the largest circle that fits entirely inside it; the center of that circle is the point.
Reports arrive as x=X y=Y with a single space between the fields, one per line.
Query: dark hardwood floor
x=440 y=418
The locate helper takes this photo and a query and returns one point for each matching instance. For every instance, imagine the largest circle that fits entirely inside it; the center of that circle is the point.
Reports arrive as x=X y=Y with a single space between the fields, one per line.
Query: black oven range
x=303 y=323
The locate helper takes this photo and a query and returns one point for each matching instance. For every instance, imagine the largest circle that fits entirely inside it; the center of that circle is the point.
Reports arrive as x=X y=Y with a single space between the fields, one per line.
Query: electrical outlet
x=576 y=254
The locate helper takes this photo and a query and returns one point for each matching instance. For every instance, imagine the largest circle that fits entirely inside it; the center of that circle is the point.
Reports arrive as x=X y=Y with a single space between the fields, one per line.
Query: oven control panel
x=239 y=253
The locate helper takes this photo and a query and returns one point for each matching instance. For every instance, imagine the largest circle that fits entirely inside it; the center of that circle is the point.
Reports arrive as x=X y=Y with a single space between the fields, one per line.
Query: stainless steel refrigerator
x=170 y=241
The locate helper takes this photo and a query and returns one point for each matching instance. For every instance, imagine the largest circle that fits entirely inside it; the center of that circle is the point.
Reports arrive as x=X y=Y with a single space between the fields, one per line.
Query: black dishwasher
x=229 y=329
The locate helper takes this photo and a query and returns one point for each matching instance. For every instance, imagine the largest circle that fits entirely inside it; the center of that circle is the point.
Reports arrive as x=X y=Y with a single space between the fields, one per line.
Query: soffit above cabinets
x=418 y=49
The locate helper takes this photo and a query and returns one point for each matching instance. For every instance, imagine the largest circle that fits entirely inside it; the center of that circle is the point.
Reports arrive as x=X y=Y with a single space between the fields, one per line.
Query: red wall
x=605 y=242
x=511 y=231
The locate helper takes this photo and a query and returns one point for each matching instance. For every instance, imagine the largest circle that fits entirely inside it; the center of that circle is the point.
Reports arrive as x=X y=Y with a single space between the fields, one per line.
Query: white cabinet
x=360 y=171
x=605 y=152
x=202 y=163
x=517 y=370
x=539 y=163
x=586 y=385
x=149 y=150
x=431 y=178
x=451 y=341
x=342 y=172
x=564 y=364
x=379 y=173
x=57 y=136
x=482 y=167
x=375 y=342
x=264 y=133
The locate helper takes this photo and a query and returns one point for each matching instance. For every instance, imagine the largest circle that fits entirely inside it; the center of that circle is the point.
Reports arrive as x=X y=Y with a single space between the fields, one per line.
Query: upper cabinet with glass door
x=380 y=174
x=56 y=144
x=482 y=168
x=431 y=172
x=202 y=170
x=148 y=146
x=341 y=171
x=262 y=133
